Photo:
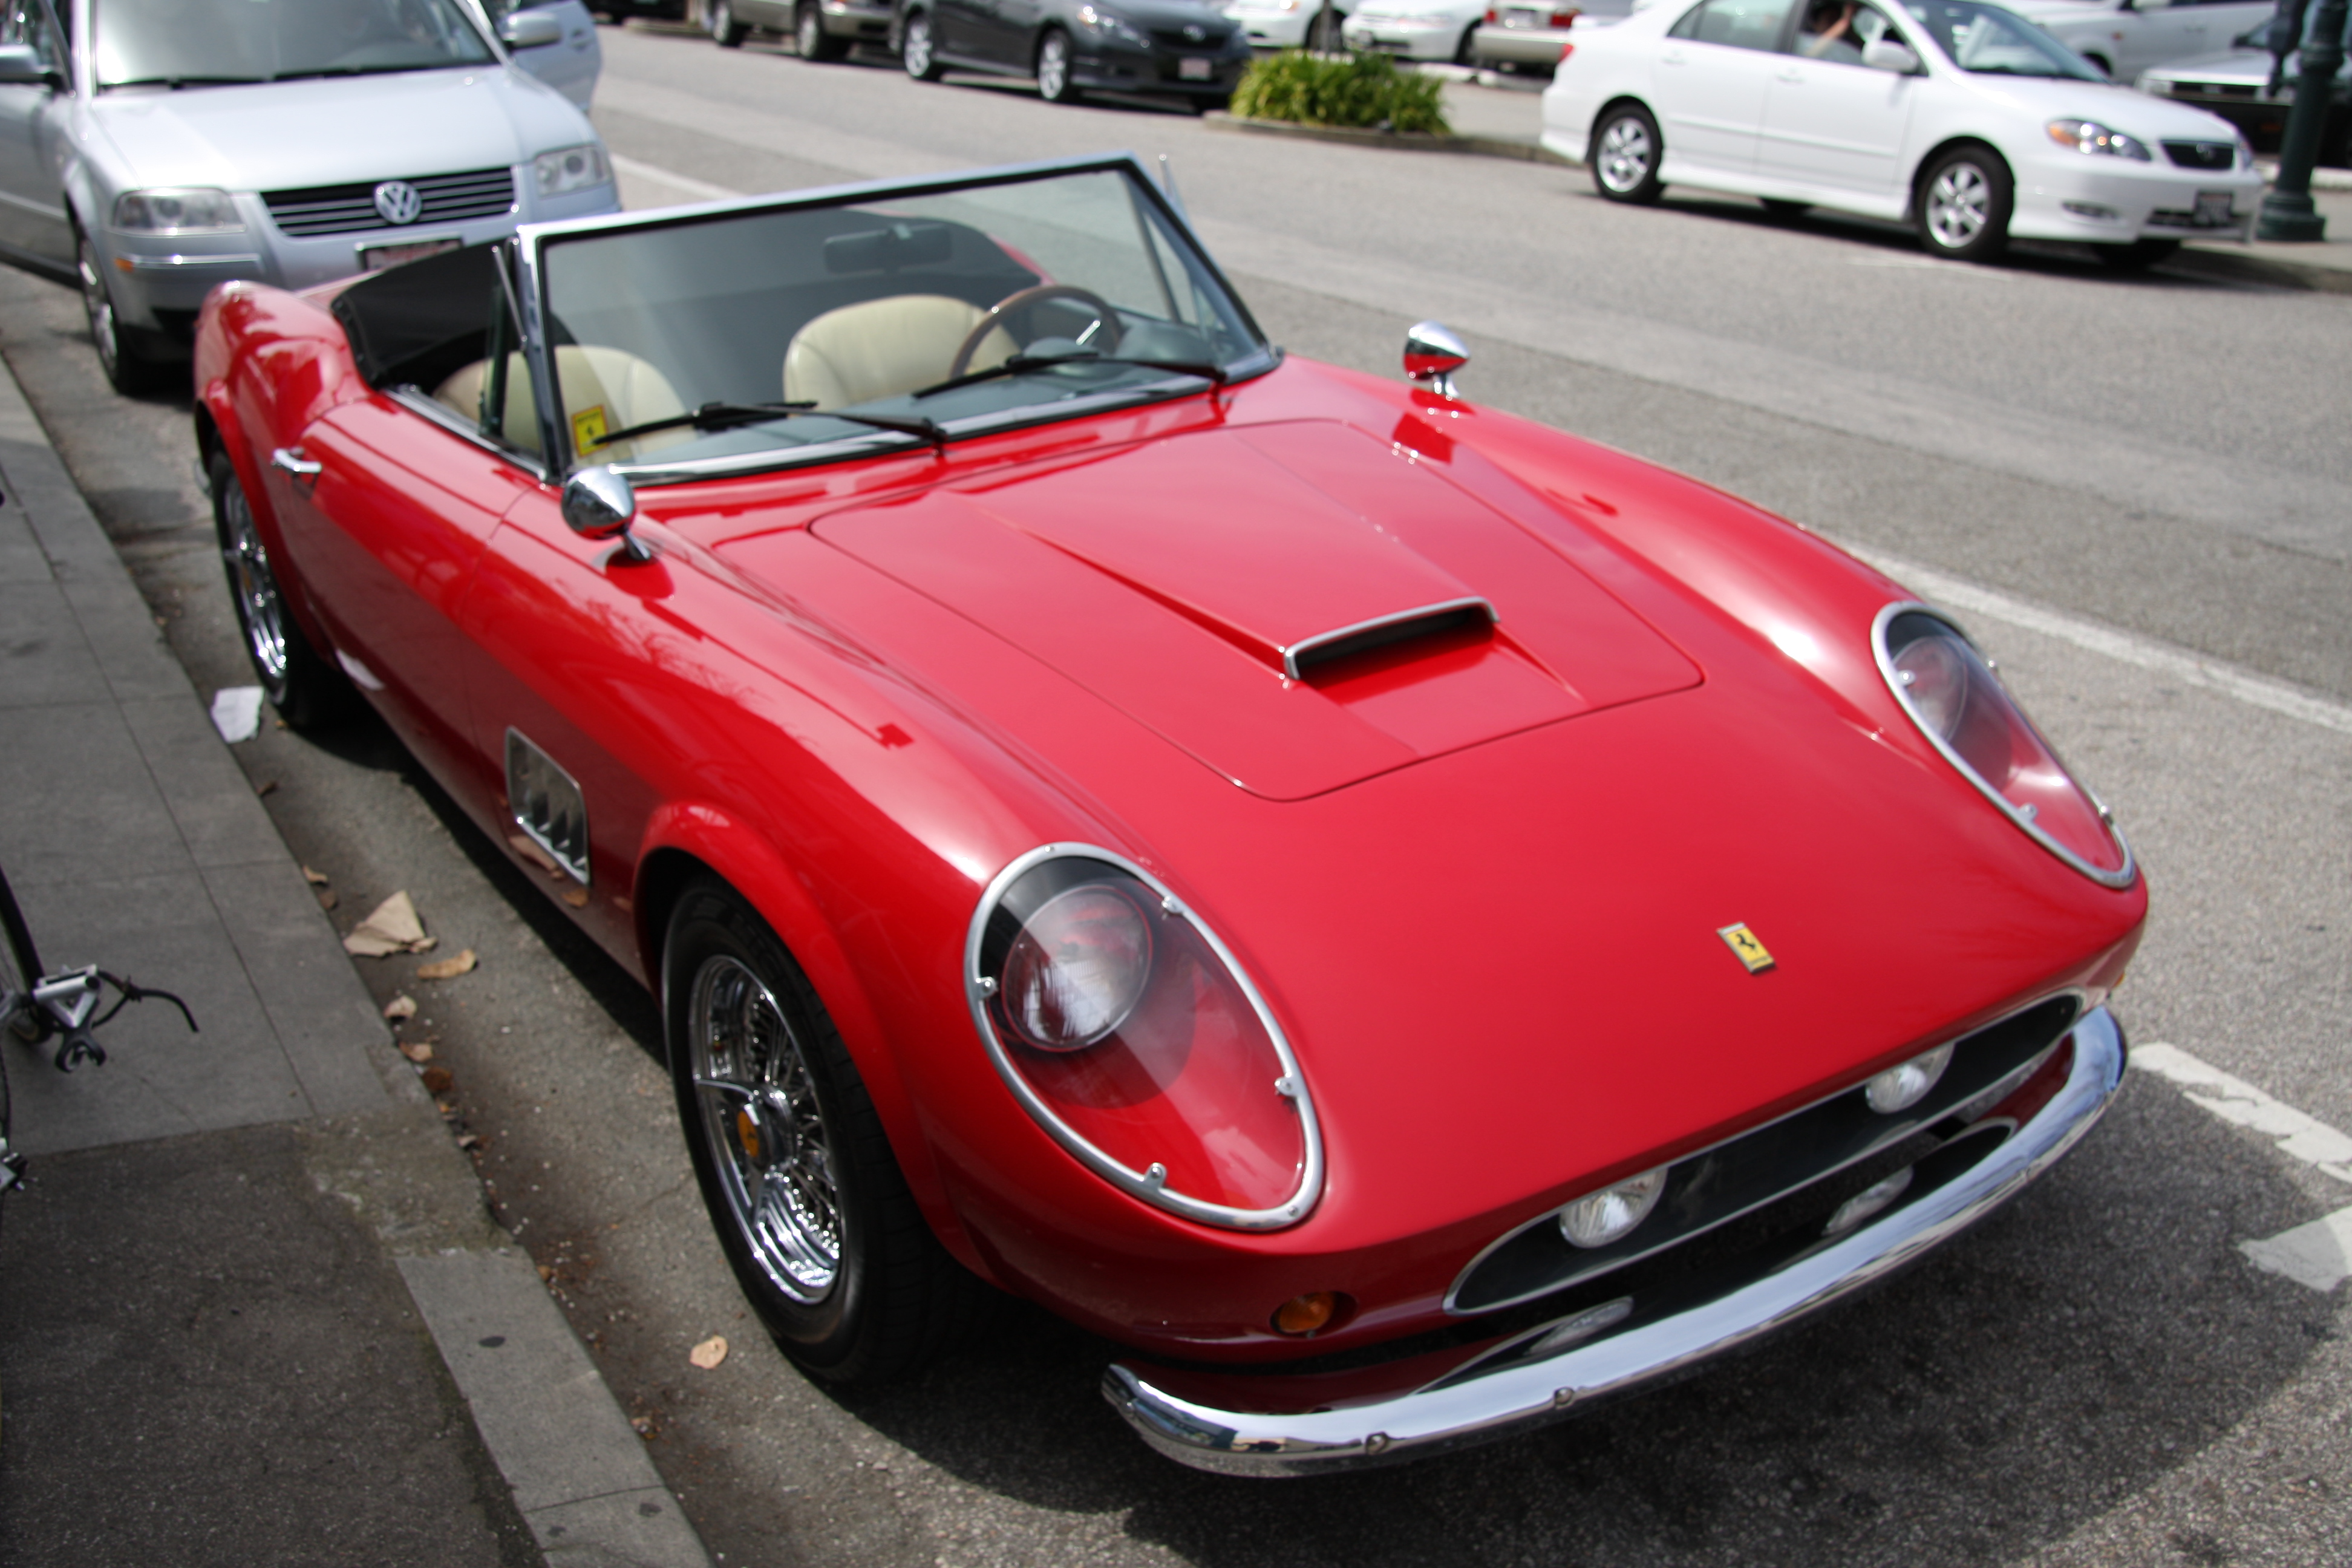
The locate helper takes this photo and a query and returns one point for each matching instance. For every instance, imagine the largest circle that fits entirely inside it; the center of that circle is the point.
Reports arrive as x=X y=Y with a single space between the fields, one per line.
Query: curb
x=2244 y=266
x=1398 y=140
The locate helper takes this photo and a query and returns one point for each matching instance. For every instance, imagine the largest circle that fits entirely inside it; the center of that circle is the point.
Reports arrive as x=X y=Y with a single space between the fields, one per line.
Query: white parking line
x=701 y=189
x=2177 y=663
x=2319 y=1254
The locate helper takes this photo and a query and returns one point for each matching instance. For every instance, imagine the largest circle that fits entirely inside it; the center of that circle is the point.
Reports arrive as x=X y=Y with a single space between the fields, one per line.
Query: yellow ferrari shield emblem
x=588 y=429
x=1746 y=948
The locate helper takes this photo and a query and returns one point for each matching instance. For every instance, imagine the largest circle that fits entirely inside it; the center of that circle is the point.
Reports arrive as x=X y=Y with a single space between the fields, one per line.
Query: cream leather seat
x=879 y=348
x=604 y=389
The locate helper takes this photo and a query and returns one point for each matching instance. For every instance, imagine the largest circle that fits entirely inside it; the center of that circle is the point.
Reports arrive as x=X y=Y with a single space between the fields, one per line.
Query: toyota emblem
x=398 y=202
x=1193 y=34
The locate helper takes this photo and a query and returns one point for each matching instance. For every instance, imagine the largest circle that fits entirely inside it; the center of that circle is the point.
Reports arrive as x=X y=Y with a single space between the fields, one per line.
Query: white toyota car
x=1958 y=116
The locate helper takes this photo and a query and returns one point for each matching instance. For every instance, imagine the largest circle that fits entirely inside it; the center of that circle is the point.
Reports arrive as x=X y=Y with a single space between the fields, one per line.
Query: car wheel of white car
x=813 y=1213
x=1626 y=149
x=1054 y=67
x=915 y=48
x=1964 y=205
x=127 y=370
x=725 y=30
x=2139 y=254
x=1780 y=207
x=809 y=37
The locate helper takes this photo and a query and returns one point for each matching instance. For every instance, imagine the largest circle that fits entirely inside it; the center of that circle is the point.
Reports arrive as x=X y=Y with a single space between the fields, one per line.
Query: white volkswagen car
x=1955 y=115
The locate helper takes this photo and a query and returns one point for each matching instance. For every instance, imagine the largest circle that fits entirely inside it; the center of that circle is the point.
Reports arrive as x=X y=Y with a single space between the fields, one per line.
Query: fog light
x=1901 y=1088
x=1306 y=1314
x=1599 y=1218
x=1582 y=1326
x=1868 y=1202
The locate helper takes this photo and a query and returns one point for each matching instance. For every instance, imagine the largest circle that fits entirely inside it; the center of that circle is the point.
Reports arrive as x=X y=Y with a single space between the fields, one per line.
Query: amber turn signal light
x=1308 y=1314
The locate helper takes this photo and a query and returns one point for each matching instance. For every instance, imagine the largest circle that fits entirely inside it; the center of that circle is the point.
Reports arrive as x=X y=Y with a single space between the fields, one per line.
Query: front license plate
x=376 y=257
x=1195 y=71
x=2213 y=210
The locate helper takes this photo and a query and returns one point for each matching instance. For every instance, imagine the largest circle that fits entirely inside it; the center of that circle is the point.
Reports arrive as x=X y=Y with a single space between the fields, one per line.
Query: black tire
x=916 y=50
x=128 y=370
x=1780 y=206
x=2138 y=255
x=1462 y=50
x=2101 y=62
x=813 y=1213
x=1626 y=148
x=810 y=38
x=718 y=17
x=1053 y=67
x=1963 y=207
x=307 y=689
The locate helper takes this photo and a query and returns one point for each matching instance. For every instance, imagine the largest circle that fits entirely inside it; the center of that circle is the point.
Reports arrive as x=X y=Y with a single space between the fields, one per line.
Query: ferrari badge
x=1746 y=948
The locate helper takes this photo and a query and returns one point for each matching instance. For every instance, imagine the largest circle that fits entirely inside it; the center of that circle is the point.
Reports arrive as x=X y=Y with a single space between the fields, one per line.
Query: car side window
x=1741 y=24
x=28 y=22
x=1837 y=31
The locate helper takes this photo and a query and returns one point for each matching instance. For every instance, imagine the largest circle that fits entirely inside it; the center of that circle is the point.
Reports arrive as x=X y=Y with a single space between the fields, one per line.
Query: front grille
x=1174 y=38
x=2202 y=155
x=1718 y=1185
x=347 y=209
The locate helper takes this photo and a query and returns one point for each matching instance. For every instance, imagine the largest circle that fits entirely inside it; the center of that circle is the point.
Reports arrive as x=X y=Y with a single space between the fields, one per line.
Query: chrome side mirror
x=529 y=30
x=599 y=504
x=1431 y=355
x=1890 y=54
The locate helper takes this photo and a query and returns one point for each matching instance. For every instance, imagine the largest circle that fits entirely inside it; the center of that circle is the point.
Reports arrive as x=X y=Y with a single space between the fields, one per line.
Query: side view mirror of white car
x=529 y=30
x=1886 y=55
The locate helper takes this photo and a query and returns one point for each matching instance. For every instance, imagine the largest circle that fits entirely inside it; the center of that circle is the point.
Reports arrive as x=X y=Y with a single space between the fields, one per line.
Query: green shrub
x=1360 y=90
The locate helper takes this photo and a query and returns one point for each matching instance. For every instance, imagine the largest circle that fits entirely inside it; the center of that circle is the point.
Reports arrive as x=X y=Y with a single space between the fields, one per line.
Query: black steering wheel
x=1106 y=318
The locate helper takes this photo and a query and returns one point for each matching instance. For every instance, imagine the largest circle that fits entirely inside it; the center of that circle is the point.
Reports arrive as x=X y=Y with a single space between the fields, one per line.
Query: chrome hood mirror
x=599 y=504
x=1431 y=355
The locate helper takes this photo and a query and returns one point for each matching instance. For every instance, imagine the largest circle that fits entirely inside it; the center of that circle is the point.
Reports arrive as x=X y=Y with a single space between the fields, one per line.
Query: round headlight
x=1599 y=1218
x=1076 y=970
x=1901 y=1088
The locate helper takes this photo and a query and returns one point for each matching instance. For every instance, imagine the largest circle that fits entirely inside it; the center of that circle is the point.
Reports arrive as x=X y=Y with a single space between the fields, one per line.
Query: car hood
x=1175 y=15
x=2235 y=68
x=2149 y=118
x=1179 y=601
x=289 y=135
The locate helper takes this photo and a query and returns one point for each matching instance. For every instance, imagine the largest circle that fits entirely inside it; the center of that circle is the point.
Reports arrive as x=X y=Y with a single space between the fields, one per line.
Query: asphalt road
x=2097 y=1376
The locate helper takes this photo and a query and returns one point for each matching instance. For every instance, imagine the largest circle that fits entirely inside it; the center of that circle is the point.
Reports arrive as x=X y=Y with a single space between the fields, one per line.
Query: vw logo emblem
x=1193 y=34
x=398 y=202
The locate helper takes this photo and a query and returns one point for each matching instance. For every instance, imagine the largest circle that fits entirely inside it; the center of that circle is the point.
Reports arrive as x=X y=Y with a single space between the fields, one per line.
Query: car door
x=1714 y=67
x=1831 y=121
x=32 y=201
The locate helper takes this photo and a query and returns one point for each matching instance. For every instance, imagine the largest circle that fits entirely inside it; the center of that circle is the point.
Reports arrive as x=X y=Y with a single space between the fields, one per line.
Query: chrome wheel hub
x=918 y=45
x=1624 y=154
x=765 y=1129
x=1053 y=67
x=1958 y=204
x=259 y=605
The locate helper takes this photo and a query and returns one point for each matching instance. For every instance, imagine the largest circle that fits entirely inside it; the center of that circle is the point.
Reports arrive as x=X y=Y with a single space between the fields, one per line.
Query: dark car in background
x=820 y=29
x=1176 y=48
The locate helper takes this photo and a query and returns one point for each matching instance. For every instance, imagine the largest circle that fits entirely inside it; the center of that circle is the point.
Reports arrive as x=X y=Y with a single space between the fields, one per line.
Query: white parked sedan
x=1280 y=24
x=1415 y=29
x=1956 y=115
x=2125 y=38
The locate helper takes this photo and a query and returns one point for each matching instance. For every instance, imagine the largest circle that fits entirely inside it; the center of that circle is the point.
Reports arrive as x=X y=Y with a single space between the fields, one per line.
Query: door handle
x=1789 y=73
x=291 y=460
x=1671 y=58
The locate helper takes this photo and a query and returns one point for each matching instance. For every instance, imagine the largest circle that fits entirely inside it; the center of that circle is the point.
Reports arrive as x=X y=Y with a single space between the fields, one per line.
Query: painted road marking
x=2319 y=1254
x=701 y=189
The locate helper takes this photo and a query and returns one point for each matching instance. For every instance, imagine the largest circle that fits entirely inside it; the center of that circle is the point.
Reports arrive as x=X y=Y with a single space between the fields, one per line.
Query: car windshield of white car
x=1985 y=40
x=815 y=330
x=203 y=43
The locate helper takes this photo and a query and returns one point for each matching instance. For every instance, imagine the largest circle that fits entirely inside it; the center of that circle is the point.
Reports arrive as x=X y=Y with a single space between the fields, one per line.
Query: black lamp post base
x=2294 y=218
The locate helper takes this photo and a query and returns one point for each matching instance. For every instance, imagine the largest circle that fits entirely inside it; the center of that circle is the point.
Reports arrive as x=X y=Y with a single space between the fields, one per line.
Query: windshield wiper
x=177 y=82
x=1021 y=363
x=368 y=70
x=723 y=415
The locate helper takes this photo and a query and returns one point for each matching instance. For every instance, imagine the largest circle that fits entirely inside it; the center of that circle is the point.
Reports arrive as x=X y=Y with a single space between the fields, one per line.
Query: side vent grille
x=547 y=807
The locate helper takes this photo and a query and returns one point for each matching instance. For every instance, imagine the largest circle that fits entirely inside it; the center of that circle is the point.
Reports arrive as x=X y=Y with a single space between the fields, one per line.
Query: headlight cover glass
x=2090 y=136
x=187 y=210
x=1950 y=691
x=569 y=169
x=1126 y=1029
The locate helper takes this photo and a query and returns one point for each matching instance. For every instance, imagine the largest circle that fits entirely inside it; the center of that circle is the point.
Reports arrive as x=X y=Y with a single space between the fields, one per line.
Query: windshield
x=182 y=43
x=748 y=335
x=1988 y=41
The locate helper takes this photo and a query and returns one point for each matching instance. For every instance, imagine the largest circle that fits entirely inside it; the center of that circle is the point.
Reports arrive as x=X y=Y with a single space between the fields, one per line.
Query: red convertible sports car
x=1412 y=923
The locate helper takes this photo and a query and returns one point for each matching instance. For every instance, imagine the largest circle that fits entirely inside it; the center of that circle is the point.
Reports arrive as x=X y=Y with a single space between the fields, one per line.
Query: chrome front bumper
x=1462 y=1397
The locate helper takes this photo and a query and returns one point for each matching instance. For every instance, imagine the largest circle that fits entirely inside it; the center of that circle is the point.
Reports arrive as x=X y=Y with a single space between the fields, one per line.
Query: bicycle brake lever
x=78 y=1047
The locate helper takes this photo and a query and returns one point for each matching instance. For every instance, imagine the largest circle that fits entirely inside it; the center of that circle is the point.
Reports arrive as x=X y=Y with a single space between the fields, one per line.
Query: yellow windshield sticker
x=1746 y=948
x=588 y=429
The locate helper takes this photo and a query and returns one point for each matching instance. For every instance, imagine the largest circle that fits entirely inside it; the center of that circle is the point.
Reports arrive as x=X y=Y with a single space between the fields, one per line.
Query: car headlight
x=1126 y=1030
x=570 y=169
x=1950 y=691
x=198 y=210
x=2090 y=136
x=1111 y=24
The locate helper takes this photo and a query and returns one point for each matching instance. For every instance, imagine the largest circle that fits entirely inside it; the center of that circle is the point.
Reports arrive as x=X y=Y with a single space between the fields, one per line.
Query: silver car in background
x=155 y=148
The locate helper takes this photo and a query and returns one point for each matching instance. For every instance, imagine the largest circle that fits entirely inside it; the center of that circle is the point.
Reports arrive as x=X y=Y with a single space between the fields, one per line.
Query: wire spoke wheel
x=259 y=607
x=761 y=1119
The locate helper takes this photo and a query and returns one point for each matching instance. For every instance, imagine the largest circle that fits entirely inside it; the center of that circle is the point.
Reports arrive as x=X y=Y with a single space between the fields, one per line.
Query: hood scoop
x=1298 y=607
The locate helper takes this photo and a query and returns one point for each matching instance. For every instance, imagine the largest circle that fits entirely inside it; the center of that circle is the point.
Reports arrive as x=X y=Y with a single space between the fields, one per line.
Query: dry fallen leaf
x=316 y=879
x=400 y=1007
x=448 y=968
x=709 y=1353
x=438 y=1080
x=529 y=850
x=421 y=1051
x=326 y=899
x=268 y=785
x=391 y=927
x=643 y=1423
x=576 y=897
x=468 y=1141
x=545 y=1272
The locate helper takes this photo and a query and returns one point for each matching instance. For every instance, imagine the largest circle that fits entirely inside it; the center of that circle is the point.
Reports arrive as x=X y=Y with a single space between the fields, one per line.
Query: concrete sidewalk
x=252 y=1307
